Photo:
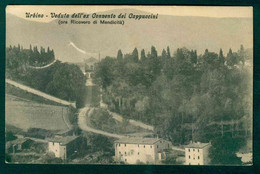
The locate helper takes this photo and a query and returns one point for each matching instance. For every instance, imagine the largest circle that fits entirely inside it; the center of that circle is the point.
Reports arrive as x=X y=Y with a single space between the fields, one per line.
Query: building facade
x=64 y=147
x=197 y=154
x=141 y=150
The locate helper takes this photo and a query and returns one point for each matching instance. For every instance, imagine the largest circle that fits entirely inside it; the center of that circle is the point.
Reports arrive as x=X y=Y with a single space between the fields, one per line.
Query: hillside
x=32 y=111
x=192 y=32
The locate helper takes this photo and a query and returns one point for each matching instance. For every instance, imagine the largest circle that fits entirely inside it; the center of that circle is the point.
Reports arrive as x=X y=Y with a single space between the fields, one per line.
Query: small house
x=197 y=153
x=64 y=147
x=18 y=145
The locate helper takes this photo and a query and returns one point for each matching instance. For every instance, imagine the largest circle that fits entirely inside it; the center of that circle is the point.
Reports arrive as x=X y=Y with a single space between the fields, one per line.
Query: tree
x=135 y=55
x=221 y=57
x=223 y=150
x=153 y=52
x=193 y=56
x=119 y=55
x=232 y=58
x=164 y=54
x=168 y=52
x=143 y=57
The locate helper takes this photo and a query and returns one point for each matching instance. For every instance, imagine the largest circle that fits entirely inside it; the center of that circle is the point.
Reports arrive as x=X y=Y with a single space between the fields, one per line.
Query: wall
x=147 y=154
x=194 y=154
x=55 y=148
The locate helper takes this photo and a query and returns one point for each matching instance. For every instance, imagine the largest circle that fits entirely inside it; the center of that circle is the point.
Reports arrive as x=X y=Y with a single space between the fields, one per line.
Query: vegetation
x=39 y=133
x=223 y=150
x=101 y=119
x=9 y=136
x=182 y=94
x=62 y=80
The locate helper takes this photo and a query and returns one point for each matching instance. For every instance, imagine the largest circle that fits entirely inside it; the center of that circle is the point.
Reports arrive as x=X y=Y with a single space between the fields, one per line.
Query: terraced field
x=25 y=114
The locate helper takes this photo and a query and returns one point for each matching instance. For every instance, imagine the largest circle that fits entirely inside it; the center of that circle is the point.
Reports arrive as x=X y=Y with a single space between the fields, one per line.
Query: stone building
x=64 y=147
x=197 y=153
x=141 y=150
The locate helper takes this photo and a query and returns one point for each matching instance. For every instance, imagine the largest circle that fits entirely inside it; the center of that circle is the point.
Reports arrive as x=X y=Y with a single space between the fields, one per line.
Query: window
x=189 y=156
x=53 y=143
x=138 y=145
x=198 y=157
x=193 y=150
x=198 y=163
x=198 y=150
x=144 y=146
x=125 y=145
x=119 y=145
x=125 y=159
x=189 y=150
x=168 y=145
x=138 y=153
x=151 y=146
x=189 y=163
x=119 y=152
x=125 y=153
x=157 y=146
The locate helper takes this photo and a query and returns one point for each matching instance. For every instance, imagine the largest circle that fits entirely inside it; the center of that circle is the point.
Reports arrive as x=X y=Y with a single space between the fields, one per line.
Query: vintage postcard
x=157 y=85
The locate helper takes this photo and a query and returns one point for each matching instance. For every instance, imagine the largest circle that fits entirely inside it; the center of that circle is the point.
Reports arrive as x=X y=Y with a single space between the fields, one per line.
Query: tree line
x=62 y=80
x=179 y=93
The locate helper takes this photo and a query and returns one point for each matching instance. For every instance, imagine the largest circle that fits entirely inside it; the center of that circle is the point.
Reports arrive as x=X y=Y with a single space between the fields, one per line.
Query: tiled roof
x=197 y=145
x=63 y=131
x=63 y=140
x=138 y=140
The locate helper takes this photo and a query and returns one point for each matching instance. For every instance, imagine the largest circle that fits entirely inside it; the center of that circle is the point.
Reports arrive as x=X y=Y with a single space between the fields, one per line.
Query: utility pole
x=192 y=128
x=222 y=131
x=232 y=124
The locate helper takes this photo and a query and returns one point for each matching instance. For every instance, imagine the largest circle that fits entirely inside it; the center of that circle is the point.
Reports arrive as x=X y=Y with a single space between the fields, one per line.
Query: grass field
x=25 y=114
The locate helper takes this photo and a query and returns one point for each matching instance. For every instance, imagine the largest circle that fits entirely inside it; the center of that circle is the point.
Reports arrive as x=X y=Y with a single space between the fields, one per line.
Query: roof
x=64 y=131
x=63 y=140
x=138 y=140
x=17 y=141
x=197 y=145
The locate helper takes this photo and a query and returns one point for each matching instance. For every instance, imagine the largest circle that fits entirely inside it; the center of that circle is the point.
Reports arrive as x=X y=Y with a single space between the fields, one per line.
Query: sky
x=202 y=11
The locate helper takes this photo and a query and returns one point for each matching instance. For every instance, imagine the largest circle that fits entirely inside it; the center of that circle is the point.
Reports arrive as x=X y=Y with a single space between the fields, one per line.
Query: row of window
x=138 y=146
x=194 y=157
x=198 y=163
x=131 y=153
x=194 y=150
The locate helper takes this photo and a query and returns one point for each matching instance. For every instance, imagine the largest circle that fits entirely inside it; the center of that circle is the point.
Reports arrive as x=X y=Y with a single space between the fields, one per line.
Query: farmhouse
x=197 y=153
x=18 y=145
x=64 y=147
x=141 y=150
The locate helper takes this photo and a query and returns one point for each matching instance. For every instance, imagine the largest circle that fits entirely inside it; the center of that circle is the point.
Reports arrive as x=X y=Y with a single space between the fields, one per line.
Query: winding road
x=82 y=123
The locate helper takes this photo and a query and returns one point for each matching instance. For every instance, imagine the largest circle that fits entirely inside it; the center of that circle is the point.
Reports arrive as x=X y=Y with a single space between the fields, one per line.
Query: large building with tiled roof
x=136 y=150
x=197 y=153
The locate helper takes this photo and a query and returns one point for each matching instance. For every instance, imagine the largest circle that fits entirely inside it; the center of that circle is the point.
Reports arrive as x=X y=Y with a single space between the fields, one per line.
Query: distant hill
x=192 y=32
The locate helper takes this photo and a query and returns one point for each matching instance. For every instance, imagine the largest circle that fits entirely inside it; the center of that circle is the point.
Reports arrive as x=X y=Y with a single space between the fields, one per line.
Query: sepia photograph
x=129 y=85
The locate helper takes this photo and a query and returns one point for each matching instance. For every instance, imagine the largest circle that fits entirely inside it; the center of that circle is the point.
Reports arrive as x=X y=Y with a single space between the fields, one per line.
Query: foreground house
x=197 y=153
x=64 y=147
x=141 y=150
x=18 y=145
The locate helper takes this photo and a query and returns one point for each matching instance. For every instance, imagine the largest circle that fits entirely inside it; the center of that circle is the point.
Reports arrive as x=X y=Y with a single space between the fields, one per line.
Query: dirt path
x=39 y=93
x=133 y=122
x=82 y=123
x=42 y=67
